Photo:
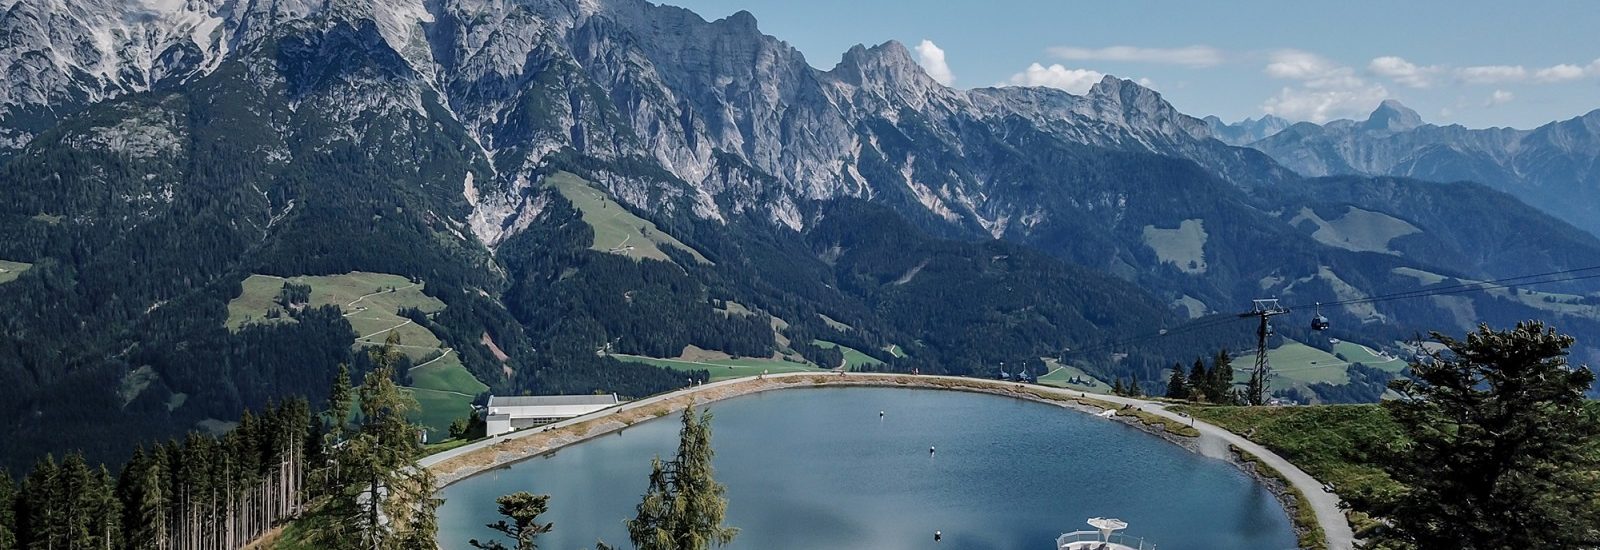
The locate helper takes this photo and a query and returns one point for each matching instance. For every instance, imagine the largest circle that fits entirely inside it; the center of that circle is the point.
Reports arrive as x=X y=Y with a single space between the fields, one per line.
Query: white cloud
x=1404 y=72
x=1324 y=89
x=1299 y=65
x=931 y=57
x=1492 y=74
x=1499 y=97
x=1189 y=56
x=1146 y=82
x=1322 y=105
x=1560 y=73
x=1077 y=81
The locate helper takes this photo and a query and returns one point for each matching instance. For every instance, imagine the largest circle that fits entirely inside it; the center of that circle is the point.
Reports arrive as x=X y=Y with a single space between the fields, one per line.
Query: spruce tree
x=1134 y=389
x=1221 y=387
x=337 y=414
x=422 y=527
x=373 y=493
x=684 y=506
x=75 y=495
x=1117 y=387
x=1499 y=446
x=104 y=512
x=1199 y=381
x=1177 y=384
x=142 y=490
x=524 y=509
x=8 y=515
x=38 y=523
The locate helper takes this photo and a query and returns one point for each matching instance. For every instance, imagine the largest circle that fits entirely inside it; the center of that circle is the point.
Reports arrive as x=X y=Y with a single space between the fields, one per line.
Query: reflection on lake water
x=819 y=469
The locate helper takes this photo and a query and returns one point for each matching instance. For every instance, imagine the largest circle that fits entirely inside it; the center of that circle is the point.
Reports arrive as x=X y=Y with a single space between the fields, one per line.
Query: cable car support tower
x=1264 y=309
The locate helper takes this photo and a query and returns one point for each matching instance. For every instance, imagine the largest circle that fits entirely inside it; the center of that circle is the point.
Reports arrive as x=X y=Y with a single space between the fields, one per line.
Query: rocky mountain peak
x=1246 y=131
x=741 y=19
x=887 y=61
x=1112 y=86
x=1137 y=106
x=888 y=70
x=1392 y=116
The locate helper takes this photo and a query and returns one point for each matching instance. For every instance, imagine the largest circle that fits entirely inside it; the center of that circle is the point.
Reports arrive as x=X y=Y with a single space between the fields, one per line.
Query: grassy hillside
x=1183 y=247
x=1294 y=364
x=616 y=230
x=371 y=303
x=1333 y=443
x=1061 y=375
x=1357 y=230
x=853 y=358
x=9 y=271
x=722 y=369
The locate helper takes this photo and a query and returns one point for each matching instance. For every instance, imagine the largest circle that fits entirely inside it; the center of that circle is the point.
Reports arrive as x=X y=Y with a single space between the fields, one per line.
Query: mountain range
x=1554 y=167
x=574 y=182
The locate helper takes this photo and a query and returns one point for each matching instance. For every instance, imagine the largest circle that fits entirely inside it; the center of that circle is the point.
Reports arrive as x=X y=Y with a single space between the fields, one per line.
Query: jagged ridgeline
x=614 y=196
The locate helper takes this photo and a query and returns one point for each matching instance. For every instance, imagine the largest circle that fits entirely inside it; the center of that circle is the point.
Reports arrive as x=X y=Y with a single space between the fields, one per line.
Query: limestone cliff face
x=738 y=120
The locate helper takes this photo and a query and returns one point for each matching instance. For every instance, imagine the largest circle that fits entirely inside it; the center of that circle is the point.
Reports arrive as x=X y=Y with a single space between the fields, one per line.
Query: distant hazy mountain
x=1555 y=167
x=160 y=153
x=1246 y=131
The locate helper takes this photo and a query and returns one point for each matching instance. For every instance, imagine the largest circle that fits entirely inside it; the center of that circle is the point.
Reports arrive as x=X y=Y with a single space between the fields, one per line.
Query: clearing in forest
x=1357 y=230
x=371 y=303
x=853 y=358
x=9 y=271
x=1183 y=247
x=616 y=230
x=722 y=369
x=1062 y=375
x=1297 y=364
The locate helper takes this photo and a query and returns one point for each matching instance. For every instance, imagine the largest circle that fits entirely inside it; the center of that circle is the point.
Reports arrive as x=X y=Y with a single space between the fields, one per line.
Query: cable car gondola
x=1319 y=323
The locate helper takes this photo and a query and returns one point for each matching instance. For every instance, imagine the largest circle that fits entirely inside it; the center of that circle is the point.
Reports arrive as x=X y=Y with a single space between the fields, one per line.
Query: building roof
x=552 y=400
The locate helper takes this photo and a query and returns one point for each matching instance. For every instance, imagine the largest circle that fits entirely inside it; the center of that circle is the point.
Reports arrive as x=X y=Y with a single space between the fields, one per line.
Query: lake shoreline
x=488 y=455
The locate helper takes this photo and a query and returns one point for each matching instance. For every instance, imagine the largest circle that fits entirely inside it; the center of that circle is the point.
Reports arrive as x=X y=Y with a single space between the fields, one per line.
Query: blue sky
x=1475 y=63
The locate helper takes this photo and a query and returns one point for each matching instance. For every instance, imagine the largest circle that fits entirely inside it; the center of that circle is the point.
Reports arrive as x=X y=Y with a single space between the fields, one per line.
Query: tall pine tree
x=1499 y=449
x=1200 y=381
x=524 y=509
x=1177 y=384
x=8 y=515
x=374 y=496
x=1221 y=388
x=684 y=506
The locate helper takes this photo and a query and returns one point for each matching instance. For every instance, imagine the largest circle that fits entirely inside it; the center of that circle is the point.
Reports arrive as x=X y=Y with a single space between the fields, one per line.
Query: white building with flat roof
x=505 y=414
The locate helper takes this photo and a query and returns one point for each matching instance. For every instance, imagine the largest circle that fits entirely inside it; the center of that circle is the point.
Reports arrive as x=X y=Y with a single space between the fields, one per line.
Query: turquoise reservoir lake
x=816 y=468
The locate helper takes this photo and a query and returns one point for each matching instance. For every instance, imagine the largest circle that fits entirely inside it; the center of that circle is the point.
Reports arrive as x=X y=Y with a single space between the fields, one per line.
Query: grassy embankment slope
x=1333 y=443
x=371 y=301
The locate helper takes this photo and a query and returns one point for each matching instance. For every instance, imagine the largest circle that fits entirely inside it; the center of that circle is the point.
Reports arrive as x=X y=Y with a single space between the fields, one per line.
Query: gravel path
x=1216 y=440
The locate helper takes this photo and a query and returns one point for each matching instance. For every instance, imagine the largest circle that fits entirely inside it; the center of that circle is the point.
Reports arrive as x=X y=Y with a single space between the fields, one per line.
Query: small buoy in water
x=930 y=450
x=880 y=414
x=937 y=536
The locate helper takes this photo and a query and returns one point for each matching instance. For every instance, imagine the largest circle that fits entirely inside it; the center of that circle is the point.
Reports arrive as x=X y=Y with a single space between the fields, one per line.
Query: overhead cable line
x=1477 y=286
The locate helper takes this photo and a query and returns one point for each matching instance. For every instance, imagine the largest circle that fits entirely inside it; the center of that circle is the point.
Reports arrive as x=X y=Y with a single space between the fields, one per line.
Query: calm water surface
x=817 y=469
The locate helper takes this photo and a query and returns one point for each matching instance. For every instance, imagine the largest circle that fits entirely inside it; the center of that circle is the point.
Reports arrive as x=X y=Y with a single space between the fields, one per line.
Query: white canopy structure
x=1104 y=537
x=1107 y=526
